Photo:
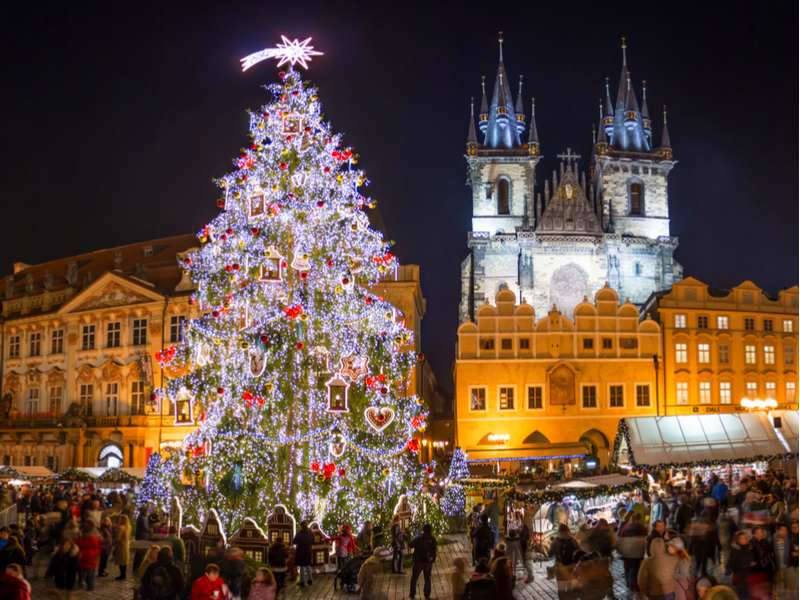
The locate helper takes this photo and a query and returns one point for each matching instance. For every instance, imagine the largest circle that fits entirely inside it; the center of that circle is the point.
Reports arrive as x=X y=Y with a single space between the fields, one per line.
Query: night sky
x=115 y=116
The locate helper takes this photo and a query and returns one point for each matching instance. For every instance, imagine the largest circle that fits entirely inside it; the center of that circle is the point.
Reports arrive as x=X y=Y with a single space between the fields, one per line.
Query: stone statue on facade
x=9 y=288
x=48 y=281
x=118 y=261
x=87 y=279
x=75 y=415
x=29 y=284
x=141 y=272
x=72 y=274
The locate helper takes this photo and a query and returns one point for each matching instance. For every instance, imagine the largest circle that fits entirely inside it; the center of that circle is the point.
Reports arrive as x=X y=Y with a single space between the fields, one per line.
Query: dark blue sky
x=115 y=117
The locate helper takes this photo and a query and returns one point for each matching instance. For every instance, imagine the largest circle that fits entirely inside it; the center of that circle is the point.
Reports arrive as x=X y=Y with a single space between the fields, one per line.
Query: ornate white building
x=561 y=246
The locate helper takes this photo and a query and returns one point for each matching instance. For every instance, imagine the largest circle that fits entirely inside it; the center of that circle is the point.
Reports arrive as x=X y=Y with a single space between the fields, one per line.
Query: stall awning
x=685 y=440
x=25 y=472
x=609 y=480
x=546 y=451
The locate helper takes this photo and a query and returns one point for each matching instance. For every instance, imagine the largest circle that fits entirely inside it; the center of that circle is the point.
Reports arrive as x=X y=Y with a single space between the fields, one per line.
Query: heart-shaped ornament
x=337 y=448
x=379 y=419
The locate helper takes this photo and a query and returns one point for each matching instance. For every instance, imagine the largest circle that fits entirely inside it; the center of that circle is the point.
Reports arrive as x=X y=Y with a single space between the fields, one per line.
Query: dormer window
x=502 y=197
x=148 y=251
x=635 y=193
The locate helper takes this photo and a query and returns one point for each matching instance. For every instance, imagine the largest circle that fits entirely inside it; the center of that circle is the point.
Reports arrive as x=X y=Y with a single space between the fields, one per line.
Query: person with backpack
x=473 y=519
x=425 y=552
x=483 y=540
x=398 y=545
x=162 y=580
x=481 y=585
x=563 y=550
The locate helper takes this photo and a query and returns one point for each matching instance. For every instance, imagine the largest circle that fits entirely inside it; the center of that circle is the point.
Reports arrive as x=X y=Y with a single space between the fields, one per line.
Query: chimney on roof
x=20 y=266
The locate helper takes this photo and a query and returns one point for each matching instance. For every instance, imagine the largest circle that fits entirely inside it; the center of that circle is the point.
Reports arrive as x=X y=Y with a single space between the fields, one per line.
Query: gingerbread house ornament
x=258 y=205
x=337 y=394
x=271 y=270
x=252 y=540
x=323 y=558
x=212 y=532
x=403 y=508
x=191 y=539
x=281 y=525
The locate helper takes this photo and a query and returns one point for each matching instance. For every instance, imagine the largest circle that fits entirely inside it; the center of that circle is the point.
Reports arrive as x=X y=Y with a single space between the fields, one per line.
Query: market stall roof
x=539 y=452
x=685 y=440
x=25 y=472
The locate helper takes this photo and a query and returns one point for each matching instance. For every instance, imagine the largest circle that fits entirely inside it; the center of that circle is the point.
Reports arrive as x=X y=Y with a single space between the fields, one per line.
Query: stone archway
x=568 y=285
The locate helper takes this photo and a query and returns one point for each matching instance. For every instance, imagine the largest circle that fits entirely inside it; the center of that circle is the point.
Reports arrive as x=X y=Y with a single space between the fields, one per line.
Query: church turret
x=533 y=137
x=628 y=134
x=631 y=116
x=666 y=147
x=607 y=119
x=472 y=139
x=501 y=131
x=519 y=110
x=484 y=116
x=647 y=124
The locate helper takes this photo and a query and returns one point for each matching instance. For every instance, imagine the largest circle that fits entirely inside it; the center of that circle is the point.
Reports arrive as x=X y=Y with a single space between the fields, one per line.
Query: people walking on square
x=91 y=545
x=683 y=585
x=425 y=551
x=517 y=555
x=107 y=533
x=64 y=565
x=760 y=580
x=457 y=578
x=364 y=537
x=13 y=585
x=210 y=586
x=493 y=512
x=366 y=577
x=503 y=578
x=656 y=575
x=303 y=541
x=631 y=545
x=483 y=540
x=398 y=545
x=149 y=559
x=162 y=580
x=277 y=556
x=563 y=549
x=345 y=545
x=122 y=543
x=232 y=570
x=481 y=584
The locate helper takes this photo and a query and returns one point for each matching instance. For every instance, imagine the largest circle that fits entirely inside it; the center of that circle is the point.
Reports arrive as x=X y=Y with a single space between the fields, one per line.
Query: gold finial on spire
x=624 y=57
x=501 y=45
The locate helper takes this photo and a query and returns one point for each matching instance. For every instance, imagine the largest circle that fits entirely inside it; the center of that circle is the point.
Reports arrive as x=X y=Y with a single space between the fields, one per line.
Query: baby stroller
x=348 y=574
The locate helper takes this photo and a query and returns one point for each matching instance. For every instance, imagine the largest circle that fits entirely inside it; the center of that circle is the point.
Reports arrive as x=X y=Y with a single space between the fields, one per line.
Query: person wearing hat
x=703 y=586
x=656 y=575
x=345 y=545
x=676 y=548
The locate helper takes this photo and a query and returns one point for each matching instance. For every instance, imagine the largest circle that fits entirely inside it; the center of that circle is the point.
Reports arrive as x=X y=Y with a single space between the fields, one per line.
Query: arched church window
x=635 y=192
x=502 y=197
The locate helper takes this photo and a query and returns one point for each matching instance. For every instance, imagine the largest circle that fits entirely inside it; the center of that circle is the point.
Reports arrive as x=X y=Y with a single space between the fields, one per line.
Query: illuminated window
x=702 y=322
x=86 y=398
x=506 y=398
x=488 y=344
x=139 y=332
x=788 y=355
x=635 y=193
x=57 y=345
x=750 y=355
x=588 y=344
x=788 y=325
x=608 y=344
x=682 y=392
x=630 y=343
x=705 y=392
x=535 y=398
x=524 y=344
x=36 y=344
x=791 y=391
x=680 y=321
x=749 y=324
x=33 y=401
x=478 y=398
x=137 y=398
x=13 y=346
x=752 y=389
x=681 y=353
x=112 y=399
x=768 y=325
x=724 y=392
x=589 y=396
x=771 y=390
x=703 y=353
x=320 y=557
x=55 y=400
x=176 y=324
x=643 y=395
x=505 y=344
x=88 y=337
x=615 y=396
x=724 y=353
x=502 y=197
x=722 y=322
x=769 y=355
x=112 y=334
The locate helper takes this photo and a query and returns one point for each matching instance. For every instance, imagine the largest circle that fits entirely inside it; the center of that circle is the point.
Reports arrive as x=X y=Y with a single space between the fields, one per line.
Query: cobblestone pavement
x=396 y=586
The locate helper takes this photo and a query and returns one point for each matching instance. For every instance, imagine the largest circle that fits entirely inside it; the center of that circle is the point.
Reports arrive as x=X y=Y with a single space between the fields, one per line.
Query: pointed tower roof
x=609 y=109
x=601 y=130
x=622 y=92
x=628 y=133
x=471 y=137
x=501 y=131
x=518 y=107
x=645 y=112
x=484 y=114
x=665 y=134
x=533 y=136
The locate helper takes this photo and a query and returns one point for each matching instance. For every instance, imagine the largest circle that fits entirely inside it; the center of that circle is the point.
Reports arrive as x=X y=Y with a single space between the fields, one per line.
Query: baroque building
x=556 y=245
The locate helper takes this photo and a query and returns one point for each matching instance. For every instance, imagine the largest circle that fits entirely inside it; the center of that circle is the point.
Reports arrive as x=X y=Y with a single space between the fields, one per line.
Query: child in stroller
x=347 y=576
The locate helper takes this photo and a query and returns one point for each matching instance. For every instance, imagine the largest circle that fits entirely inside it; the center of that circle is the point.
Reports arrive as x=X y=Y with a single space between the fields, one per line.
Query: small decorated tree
x=156 y=491
x=455 y=498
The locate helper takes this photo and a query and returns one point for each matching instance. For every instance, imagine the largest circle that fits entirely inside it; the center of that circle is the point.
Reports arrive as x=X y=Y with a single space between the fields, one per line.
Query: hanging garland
x=473 y=487
x=622 y=430
x=117 y=475
x=542 y=496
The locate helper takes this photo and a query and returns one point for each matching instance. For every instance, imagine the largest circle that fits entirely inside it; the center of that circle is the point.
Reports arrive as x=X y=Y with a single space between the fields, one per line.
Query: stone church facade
x=562 y=244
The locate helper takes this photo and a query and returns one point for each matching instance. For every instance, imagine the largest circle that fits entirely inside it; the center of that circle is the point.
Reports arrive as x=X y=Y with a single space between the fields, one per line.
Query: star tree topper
x=291 y=52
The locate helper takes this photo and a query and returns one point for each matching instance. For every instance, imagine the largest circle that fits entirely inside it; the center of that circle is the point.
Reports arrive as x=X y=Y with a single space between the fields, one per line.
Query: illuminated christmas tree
x=297 y=376
x=455 y=498
x=155 y=492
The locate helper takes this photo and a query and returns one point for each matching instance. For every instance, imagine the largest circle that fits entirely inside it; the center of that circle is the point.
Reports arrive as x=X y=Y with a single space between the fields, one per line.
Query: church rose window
x=502 y=197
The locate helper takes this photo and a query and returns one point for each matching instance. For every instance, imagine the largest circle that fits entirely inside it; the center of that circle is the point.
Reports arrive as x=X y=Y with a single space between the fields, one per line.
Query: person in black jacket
x=482 y=540
x=142 y=535
x=154 y=584
x=303 y=541
x=683 y=515
x=64 y=565
x=424 y=556
x=398 y=545
x=232 y=571
x=481 y=585
x=658 y=532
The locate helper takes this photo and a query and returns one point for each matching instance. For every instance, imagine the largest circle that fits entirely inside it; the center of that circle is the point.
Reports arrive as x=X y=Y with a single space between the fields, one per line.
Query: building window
x=749 y=324
x=791 y=391
x=588 y=344
x=616 y=398
x=722 y=322
x=137 y=398
x=502 y=197
x=478 y=398
x=643 y=395
x=682 y=392
x=6 y=460
x=769 y=355
x=638 y=269
x=57 y=342
x=589 y=396
x=535 y=398
x=29 y=461
x=55 y=400
x=176 y=324
x=139 y=332
x=635 y=193
x=768 y=325
x=608 y=344
x=771 y=389
x=630 y=343
x=320 y=557
x=506 y=398
x=703 y=353
x=112 y=399
x=36 y=344
x=705 y=392
x=505 y=344
x=33 y=401
x=86 y=398
x=702 y=322
x=524 y=344
x=488 y=344
x=752 y=389
x=788 y=355
x=724 y=392
x=680 y=321
x=114 y=330
x=51 y=462
x=681 y=353
x=13 y=346
x=88 y=337
x=749 y=355
x=724 y=352
x=788 y=326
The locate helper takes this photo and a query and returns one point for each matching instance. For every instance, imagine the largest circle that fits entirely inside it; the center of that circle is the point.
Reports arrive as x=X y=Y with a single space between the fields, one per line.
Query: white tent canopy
x=609 y=480
x=710 y=437
x=35 y=472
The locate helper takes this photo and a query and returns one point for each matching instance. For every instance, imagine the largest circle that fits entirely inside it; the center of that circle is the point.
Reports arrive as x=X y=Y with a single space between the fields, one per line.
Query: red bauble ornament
x=188 y=262
x=329 y=263
x=289 y=138
x=299 y=345
x=254 y=230
x=221 y=203
x=420 y=357
x=342 y=472
x=223 y=237
x=326 y=170
x=347 y=154
x=281 y=75
x=264 y=338
x=429 y=470
x=192 y=301
x=368 y=300
x=215 y=314
x=229 y=231
x=283 y=165
x=315 y=466
x=236 y=266
x=295 y=93
x=266 y=115
x=253 y=147
x=335 y=154
x=307 y=129
x=320 y=204
x=228 y=268
x=345 y=281
x=153 y=397
x=220 y=391
x=384 y=391
x=303 y=275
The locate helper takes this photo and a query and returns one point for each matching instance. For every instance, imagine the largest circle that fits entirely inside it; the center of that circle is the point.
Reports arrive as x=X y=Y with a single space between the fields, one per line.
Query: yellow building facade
x=721 y=346
x=553 y=389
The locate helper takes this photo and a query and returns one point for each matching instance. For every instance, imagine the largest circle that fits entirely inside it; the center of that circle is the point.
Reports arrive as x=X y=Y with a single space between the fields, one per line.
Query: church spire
x=501 y=131
x=627 y=133
x=647 y=124
x=519 y=110
x=484 y=114
x=607 y=120
x=533 y=137
x=665 y=134
x=472 y=139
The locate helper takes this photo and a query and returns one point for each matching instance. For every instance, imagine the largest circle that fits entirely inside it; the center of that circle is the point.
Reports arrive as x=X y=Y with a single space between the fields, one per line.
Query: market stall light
x=758 y=404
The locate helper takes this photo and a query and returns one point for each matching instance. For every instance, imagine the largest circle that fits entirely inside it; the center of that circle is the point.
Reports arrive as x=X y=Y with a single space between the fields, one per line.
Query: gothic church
x=555 y=248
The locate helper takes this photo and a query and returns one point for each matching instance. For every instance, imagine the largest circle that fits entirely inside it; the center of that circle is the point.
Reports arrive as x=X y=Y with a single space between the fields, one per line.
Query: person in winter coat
x=122 y=543
x=143 y=532
x=91 y=545
x=683 y=515
x=760 y=579
x=398 y=545
x=782 y=551
x=516 y=555
x=10 y=551
x=345 y=547
x=591 y=578
x=364 y=538
x=563 y=549
x=64 y=565
x=263 y=586
x=659 y=528
x=178 y=547
x=366 y=577
x=457 y=578
x=659 y=512
x=107 y=533
x=303 y=541
x=481 y=584
x=425 y=551
x=628 y=544
x=162 y=580
x=276 y=558
x=657 y=573
x=377 y=537
x=483 y=540
x=12 y=584
x=683 y=586
x=149 y=559
x=740 y=561
x=232 y=571
x=720 y=493
x=706 y=544
x=205 y=587
x=602 y=538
